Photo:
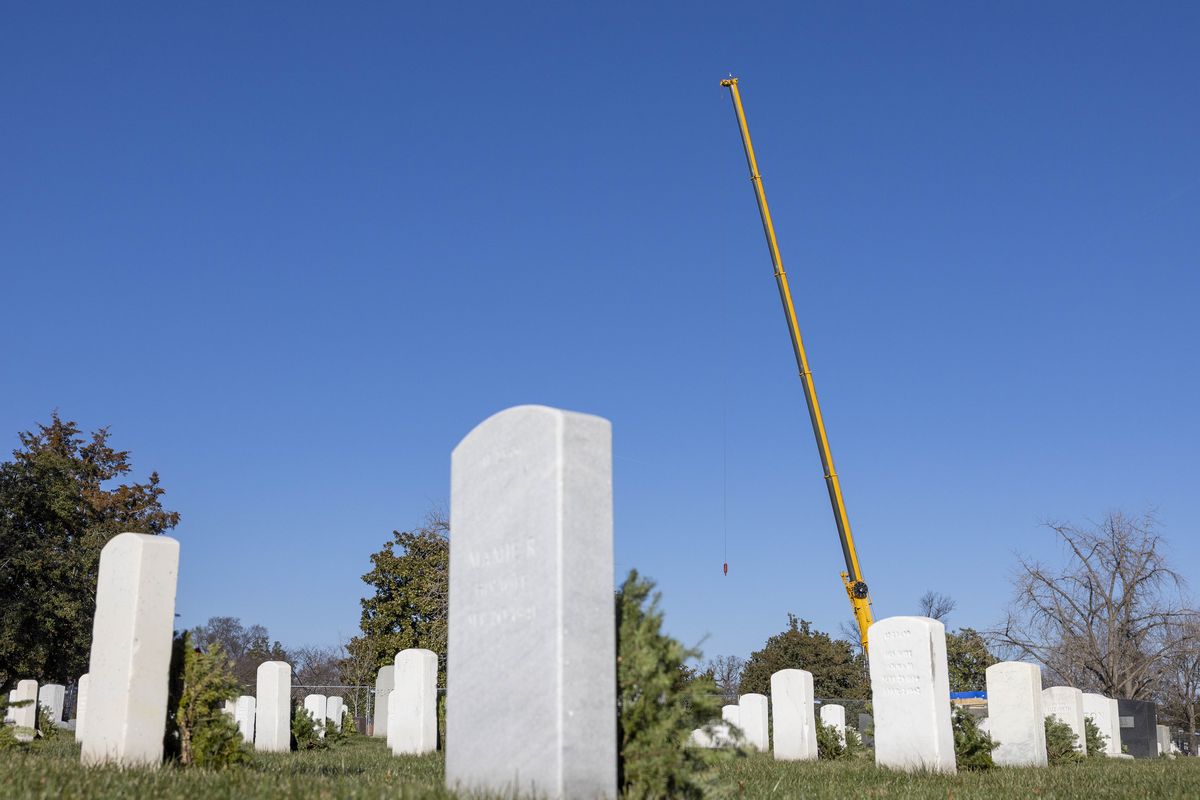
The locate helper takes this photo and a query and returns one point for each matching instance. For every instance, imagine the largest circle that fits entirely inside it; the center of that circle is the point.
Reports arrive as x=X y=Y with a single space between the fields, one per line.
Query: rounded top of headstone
x=518 y=417
x=274 y=665
x=130 y=541
x=791 y=672
x=889 y=624
x=753 y=696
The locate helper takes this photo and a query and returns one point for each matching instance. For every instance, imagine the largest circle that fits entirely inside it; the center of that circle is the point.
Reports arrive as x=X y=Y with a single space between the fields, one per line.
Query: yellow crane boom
x=856 y=588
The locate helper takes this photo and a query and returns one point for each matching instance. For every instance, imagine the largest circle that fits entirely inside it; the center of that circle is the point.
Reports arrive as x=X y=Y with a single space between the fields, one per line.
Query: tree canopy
x=838 y=672
x=409 y=606
x=58 y=508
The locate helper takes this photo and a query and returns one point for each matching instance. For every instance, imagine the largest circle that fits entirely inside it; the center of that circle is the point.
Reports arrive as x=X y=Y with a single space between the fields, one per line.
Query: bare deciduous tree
x=936 y=605
x=1101 y=621
x=727 y=673
x=1179 y=693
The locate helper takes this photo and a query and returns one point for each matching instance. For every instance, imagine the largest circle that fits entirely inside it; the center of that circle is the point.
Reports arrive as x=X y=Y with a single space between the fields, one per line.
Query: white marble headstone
x=755 y=725
x=317 y=706
x=835 y=716
x=531 y=702
x=1015 y=716
x=1066 y=704
x=732 y=714
x=1100 y=710
x=910 y=689
x=25 y=716
x=243 y=714
x=273 y=708
x=334 y=709
x=132 y=638
x=81 y=696
x=384 y=681
x=412 y=710
x=52 y=697
x=792 y=717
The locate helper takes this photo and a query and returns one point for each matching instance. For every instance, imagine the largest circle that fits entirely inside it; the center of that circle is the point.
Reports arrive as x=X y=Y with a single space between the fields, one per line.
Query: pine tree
x=659 y=702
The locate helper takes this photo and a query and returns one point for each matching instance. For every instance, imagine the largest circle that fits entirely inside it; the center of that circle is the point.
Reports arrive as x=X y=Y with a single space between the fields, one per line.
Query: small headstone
x=243 y=715
x=1065 y=703
x=9 y=710
x=835 y=716
x=317 y=706
x=531 y=703
x=81 y=697
x=229 y=707
x=910 y=687
x=732 y=715
x=1164 y=739
x=1102 y=711
x=53 y=697
x=333 y=712
x=25 y=717
x=412 y=713
x=273 y=708
x=866 y=729
x=1016 y=718
x=755 y=725
x=132 y=639
x=384 y=681
x=792 y=717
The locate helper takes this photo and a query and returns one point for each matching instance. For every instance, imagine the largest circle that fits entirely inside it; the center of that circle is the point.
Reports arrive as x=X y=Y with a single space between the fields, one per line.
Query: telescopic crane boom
x=856 y=588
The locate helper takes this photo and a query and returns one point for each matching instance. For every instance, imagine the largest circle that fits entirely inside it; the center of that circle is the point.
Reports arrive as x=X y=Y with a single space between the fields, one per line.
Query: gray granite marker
x=531 y=697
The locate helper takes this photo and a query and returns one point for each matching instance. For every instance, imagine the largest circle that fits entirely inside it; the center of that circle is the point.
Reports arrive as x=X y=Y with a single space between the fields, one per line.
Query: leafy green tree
x=659 y=703
x=836 y=669
x=410 y=602
x=58 y=508
x=968 y=658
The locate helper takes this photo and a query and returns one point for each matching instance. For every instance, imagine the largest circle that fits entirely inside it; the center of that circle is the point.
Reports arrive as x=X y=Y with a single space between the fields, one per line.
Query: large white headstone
x=243 y=714
x=792 y=715
x=273 y=708
x=755 y=725
x=835 y=716
x=81 y=696
x=132 y=636
x=333 y=712
x=412 y=713
x=1015 y=716
x=52 y=697
x=531 y=703
x=910 y=688
x=25 y=716
x=1066 y=704
x=1100 y=710
x=384 y=682
x=317 y=706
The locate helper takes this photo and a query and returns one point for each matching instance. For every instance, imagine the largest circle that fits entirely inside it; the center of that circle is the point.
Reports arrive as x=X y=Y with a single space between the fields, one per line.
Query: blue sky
x=293 y=253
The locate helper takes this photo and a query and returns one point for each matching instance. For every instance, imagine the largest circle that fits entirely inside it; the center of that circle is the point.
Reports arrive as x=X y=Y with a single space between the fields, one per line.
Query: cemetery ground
x=363 y=768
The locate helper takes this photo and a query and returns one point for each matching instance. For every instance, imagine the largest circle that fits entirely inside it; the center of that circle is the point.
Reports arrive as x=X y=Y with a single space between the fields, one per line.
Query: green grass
x=363 y=768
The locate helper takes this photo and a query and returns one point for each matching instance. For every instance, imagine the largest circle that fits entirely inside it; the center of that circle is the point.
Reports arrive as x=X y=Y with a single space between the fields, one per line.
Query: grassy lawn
x=364 y=769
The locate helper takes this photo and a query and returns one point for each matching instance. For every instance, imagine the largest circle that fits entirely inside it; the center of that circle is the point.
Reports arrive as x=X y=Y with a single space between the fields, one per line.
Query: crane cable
x=723 y=300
